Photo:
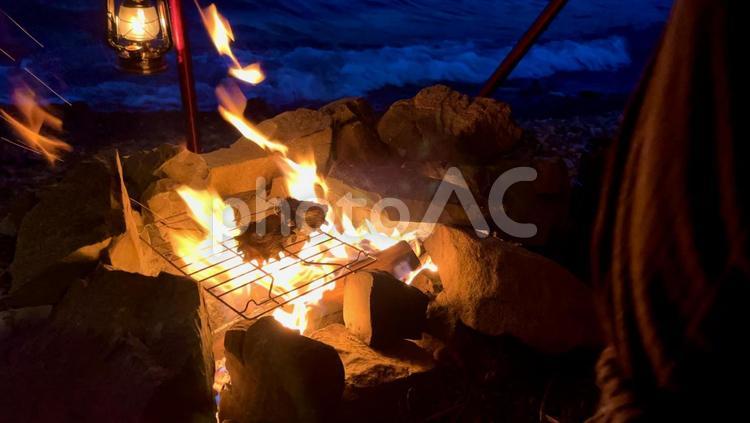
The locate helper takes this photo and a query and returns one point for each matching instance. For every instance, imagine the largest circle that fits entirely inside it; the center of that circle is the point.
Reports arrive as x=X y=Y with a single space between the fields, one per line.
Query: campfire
x=289 y=283
x=326 y=263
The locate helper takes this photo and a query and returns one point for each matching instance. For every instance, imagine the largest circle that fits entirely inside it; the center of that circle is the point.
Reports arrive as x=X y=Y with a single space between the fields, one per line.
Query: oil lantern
x=139 y=32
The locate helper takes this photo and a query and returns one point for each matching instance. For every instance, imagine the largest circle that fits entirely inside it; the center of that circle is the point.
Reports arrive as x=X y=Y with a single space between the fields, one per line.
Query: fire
x=214 y=247
x=250 y=73
x=222 y=36
x=302 y=180
x=286 y=279
x=232 y=108
x=34 y=118
x=138 y=26
x=427 y=266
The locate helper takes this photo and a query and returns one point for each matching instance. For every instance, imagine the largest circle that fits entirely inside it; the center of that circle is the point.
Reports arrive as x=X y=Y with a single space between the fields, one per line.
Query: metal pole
x=187 y=82
x=522 y=47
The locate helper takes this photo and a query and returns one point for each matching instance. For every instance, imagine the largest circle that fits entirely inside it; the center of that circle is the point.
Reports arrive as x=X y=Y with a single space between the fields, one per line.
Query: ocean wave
x=318 y=74
x=308 y=74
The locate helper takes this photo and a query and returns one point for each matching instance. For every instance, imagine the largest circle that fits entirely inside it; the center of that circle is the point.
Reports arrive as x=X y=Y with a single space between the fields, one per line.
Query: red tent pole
x=187 y=81
x=522 y=47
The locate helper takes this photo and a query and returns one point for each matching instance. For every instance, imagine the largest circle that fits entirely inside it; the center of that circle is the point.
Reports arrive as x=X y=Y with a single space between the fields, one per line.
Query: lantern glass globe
x=137 y=22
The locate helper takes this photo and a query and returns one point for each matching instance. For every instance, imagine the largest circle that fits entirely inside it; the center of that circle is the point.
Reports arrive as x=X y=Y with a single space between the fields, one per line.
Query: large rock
x=141 y=169
x=73 y=222
x=497 y=287
x=355 y=138
x=544 y=202
x=279 y=375
x=307 y=133
x=120 y=347
x=442 y=124
x=378 y=382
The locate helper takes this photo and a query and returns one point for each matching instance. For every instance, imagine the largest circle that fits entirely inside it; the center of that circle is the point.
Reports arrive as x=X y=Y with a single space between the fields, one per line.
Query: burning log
x=266 y=238
x=398 y=260
x=279 y=375
x=313 y=214
x=380 y=309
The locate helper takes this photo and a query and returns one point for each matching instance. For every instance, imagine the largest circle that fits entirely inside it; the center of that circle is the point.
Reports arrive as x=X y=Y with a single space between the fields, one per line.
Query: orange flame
x=216 y=247
x=213 y=247
x=218 y=251
x=250 y=73
x=428 y=266
x=222 y=36
x=232 y=108
x=34 y=117
x=302 y=179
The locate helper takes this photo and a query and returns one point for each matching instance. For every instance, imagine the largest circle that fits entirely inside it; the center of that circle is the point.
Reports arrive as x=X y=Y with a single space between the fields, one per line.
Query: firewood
x=398 y=260
x=380 y=309
x=266 y=238
x=279 y=375
x=314 y=215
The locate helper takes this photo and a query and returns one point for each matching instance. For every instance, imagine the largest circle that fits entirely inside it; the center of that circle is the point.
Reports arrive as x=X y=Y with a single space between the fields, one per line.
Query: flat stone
x=365 y=367
x=379 y=383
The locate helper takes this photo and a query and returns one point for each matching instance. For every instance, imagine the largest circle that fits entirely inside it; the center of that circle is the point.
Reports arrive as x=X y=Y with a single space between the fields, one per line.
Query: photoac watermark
x=395 y=209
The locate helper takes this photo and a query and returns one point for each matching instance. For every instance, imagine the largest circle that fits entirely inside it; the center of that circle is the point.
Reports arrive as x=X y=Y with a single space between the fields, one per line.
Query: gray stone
x=497 y=287
x=442 y=124
x=120 y=347
x=379 y=383
x=355 y=137
x=74 y=221
x=141 y=168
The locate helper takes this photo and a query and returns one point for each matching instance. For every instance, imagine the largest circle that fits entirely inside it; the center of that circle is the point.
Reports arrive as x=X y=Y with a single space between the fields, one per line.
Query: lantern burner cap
x=142 y=65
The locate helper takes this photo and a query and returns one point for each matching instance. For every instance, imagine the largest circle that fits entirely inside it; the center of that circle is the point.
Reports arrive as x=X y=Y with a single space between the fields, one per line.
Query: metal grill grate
x=225 y=275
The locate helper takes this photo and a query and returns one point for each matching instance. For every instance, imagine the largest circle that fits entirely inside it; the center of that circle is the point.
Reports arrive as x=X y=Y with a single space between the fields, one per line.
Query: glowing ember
x=34 y=118
x=427 y=266
x=222 y=36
